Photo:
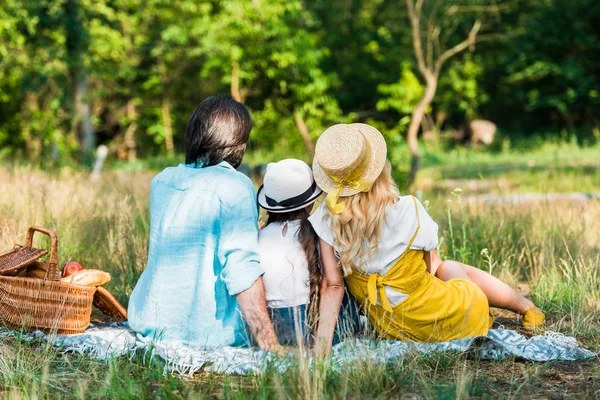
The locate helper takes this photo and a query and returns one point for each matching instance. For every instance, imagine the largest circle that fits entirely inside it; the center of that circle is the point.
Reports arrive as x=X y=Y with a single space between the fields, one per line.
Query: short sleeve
x=238 y=250
x=321 y=224
x=427 y=238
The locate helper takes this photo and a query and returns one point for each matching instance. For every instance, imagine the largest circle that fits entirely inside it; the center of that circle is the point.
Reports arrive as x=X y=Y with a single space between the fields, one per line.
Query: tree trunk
x=235 y=81
x=130 y=140
x=77 y=41
x=415 y=123
x=83 y=112
x=303 y=129
x=33 y=146
x=168 y=129
x=130 y=144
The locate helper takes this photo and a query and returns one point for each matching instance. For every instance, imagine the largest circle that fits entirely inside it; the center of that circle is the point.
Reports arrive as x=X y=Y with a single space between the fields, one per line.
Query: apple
x=70 y=268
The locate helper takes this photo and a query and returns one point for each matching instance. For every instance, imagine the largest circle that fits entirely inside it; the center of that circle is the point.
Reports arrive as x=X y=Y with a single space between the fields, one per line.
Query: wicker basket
x=45 y=304
x=19 y=257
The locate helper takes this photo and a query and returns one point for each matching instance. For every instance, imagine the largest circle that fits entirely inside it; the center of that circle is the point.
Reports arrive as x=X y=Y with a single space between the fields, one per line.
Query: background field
x=550 y=250
x=127 y=74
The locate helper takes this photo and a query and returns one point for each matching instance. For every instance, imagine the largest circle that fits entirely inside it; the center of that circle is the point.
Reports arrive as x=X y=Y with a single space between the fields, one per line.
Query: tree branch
x=432 y=31
x=414 y=13
x=469 y=41
x=419 y=7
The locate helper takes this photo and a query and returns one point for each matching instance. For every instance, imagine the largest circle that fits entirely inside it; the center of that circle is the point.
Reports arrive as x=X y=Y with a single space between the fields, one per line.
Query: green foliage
x=460 y=91
x=272 y=53
x=548 y=74
x=297 y=65
x=403 y=95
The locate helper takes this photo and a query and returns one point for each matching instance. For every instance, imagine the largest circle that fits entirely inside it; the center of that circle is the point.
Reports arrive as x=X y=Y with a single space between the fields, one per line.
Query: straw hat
x=288 y=186
x=349 y=158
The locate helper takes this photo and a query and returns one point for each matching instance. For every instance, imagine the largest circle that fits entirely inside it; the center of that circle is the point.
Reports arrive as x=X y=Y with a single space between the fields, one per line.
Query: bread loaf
x=36 y=270
x=88 y=277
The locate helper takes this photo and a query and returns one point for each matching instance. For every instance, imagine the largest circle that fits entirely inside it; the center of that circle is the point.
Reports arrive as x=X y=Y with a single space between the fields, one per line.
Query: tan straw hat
x=348 y=160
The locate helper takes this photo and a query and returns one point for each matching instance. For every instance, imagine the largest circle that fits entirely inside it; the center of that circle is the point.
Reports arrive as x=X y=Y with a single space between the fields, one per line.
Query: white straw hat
x=288 y=186
x=348 y=160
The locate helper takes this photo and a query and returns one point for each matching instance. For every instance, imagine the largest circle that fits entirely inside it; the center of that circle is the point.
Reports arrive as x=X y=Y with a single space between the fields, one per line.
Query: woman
x=386 y=245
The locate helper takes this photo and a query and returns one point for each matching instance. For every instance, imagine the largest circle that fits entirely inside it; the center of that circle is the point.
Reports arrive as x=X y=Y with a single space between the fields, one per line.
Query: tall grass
x=552 y=247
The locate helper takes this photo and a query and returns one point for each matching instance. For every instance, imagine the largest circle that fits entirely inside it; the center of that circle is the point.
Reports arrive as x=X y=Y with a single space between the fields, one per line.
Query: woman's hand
x=332 y=294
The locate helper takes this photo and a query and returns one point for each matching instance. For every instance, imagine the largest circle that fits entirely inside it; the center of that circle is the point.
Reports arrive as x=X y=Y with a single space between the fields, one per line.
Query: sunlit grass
x=552 y=247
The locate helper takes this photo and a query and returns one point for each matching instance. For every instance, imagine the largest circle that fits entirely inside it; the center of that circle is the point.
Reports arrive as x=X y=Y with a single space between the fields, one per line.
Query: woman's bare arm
x=332 y=294
x=433 y=261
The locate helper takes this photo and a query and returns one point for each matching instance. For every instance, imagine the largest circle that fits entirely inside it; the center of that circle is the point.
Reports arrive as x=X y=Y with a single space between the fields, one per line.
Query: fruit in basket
x=70 y=268
x=88 y=277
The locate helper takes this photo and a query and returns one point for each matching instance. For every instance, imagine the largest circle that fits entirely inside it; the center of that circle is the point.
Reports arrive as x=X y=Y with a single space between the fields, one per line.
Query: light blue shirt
x=203 y=251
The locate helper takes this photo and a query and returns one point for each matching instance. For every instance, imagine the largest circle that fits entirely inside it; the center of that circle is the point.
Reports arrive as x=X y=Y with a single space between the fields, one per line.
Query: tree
x=77 y=40
x=119 y=42
x=547 y=68
x=33 y=79
x=269 y=55
x=431 y=53
x=175 y=36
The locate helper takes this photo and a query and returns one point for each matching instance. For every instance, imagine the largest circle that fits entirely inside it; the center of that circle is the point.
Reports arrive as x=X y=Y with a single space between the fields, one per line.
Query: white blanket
x=111 y=340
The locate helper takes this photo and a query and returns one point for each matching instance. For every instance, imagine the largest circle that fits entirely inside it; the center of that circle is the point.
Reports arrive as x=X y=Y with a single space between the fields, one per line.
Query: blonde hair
x=356 y=231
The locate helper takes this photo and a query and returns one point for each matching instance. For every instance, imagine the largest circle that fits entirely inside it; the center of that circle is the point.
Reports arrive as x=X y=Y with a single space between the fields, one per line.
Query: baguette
x=88 y=277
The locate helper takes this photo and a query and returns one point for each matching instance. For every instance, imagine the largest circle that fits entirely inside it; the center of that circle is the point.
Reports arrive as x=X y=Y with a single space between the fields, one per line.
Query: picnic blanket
x=111 y=340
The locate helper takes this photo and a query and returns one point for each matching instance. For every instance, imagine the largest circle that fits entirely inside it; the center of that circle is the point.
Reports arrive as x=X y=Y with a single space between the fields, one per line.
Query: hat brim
x=262 y=201
x=374 y=169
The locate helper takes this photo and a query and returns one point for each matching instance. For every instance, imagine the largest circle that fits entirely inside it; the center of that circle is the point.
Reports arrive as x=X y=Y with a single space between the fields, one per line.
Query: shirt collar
x=200 y=164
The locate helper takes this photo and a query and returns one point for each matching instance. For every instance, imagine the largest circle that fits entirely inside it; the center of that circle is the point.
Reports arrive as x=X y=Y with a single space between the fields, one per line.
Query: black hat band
x=294 y=201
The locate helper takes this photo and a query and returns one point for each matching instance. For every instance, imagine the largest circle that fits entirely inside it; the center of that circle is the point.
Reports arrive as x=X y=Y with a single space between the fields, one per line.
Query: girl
x=386 y=245
x=297 y=289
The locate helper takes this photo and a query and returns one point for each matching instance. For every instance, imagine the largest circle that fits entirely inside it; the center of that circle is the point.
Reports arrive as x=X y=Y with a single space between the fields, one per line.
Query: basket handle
x=52 y=273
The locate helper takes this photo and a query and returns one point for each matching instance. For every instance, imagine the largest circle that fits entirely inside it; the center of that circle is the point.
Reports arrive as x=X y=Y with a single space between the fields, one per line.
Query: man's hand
x=254 y=309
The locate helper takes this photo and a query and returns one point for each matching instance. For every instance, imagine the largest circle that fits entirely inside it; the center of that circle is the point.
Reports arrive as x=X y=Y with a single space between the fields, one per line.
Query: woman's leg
x=447 y=270
x=499 y=294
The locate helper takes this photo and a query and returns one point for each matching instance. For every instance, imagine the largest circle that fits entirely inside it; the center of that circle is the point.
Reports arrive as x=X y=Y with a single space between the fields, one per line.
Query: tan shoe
x=533 y=318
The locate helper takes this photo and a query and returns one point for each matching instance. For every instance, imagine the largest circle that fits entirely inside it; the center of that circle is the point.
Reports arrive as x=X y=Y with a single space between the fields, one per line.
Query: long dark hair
x=309 y=241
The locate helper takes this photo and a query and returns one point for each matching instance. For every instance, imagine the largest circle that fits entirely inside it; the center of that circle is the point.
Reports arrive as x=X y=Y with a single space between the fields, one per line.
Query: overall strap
x=414 y=236
x=394 y=269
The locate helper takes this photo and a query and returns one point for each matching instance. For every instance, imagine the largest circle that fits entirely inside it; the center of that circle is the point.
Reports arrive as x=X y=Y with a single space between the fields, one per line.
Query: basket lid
x=19 y=257
x=109 y=306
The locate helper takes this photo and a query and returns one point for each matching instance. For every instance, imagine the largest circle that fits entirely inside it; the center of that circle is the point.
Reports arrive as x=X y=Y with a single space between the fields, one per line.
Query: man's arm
x=254 y=309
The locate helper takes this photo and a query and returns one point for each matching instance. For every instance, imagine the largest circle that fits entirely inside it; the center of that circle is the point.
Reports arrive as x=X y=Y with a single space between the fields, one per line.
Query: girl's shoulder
x=321 y=224
x=403 y=207
x=409 y=209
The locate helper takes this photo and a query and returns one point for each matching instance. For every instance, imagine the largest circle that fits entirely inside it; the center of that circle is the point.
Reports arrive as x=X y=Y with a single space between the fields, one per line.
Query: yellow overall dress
x=434 y=310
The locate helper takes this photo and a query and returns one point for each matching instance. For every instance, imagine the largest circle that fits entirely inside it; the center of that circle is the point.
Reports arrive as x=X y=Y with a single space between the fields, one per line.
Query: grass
x=552 y=249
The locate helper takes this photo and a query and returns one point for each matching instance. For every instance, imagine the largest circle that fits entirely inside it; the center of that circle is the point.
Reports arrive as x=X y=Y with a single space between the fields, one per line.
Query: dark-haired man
x=203 y=272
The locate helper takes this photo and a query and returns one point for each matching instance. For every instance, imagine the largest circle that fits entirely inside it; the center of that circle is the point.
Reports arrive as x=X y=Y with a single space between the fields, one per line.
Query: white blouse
x=398 y=228
x=286 y=278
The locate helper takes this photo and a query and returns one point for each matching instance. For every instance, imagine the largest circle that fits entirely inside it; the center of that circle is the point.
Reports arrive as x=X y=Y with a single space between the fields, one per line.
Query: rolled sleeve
x=428 y=233
x=238 y=252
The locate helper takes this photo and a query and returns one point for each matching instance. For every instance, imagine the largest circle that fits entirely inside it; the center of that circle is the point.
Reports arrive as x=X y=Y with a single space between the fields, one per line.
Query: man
x=203 y=270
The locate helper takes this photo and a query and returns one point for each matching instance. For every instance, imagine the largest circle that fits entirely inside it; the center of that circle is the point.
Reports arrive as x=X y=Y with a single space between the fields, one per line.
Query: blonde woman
x=386 y=247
